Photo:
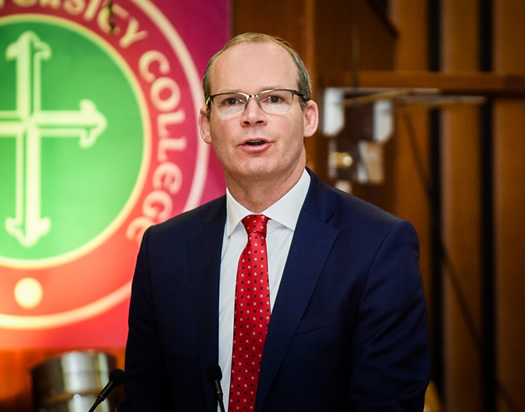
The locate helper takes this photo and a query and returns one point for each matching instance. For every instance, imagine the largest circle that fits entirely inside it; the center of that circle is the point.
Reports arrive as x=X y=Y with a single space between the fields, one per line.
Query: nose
x=253 y=113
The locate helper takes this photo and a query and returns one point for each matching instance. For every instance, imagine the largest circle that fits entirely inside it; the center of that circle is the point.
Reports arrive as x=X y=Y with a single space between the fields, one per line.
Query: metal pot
x=70 y=382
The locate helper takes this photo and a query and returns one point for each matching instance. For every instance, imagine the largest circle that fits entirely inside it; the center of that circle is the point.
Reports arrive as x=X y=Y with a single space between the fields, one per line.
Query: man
x=345 y=325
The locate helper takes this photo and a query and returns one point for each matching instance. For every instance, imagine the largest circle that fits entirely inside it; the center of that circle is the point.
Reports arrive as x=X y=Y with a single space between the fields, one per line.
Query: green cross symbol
x=28 y=124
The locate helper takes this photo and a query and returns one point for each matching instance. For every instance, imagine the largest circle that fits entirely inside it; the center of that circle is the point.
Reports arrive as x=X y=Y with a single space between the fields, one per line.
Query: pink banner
x=98 y=140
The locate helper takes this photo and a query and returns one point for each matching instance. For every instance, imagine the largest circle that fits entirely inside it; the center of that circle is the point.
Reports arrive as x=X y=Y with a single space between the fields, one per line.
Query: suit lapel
x=205 y=257
x=311 y=245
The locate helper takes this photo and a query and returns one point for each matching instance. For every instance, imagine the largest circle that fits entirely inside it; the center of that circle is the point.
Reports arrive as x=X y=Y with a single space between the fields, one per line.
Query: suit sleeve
x=146 y=387
x=390 y=358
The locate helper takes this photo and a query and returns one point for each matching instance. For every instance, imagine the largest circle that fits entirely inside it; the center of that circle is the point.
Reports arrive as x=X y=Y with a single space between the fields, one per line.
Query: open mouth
x=255 y=142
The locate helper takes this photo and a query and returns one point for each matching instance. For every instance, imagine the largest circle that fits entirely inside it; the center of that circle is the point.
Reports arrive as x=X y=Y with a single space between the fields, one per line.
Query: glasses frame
x=209 y=100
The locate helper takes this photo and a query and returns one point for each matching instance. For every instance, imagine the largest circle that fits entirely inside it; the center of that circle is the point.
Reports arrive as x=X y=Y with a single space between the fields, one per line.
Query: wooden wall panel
x=411 y=200
x=289 y=20
x=509 y=171
x=410 y=196
x=461 y=211
x=510 y=257
x=410 y=20
x=462 y=271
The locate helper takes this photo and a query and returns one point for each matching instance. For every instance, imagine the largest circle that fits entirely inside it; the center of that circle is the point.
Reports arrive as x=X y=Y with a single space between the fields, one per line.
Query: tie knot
x=255 y=223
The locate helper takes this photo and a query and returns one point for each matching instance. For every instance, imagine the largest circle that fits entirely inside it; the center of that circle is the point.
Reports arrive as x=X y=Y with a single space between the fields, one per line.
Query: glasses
x=275 y=101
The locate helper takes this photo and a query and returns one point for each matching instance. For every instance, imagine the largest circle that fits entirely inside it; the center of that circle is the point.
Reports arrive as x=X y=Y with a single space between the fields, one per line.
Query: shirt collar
x=285 y=211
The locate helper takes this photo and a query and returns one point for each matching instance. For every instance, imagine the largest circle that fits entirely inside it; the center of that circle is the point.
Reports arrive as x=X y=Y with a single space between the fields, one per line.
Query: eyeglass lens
x=271 y=101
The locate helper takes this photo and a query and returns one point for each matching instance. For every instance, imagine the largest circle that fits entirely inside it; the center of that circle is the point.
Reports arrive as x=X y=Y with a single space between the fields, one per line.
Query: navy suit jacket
x=348 y=330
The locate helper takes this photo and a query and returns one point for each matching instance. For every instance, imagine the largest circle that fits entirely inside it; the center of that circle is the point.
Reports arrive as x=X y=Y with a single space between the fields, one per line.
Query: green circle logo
x=70 y=156
x=98 y=141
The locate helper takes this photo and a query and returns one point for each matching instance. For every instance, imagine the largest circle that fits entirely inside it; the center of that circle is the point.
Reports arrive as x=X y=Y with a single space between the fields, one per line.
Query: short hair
x=303 y=79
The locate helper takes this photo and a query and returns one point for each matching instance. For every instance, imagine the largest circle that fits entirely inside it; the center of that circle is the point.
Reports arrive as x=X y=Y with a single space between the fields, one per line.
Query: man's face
x=252 y=144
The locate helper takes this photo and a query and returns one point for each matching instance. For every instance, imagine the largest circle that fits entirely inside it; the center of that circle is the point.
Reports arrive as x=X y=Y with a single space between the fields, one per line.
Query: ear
x=204 y=125
x=311 y=118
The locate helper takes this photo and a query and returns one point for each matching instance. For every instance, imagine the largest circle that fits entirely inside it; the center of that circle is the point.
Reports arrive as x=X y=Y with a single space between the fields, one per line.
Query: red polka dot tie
x=252 y=315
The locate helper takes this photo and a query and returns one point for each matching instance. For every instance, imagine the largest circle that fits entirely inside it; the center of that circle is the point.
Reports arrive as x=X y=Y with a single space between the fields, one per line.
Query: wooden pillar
x=410 y=196
x=509 y=192
x=412 y=169
x=461 y=211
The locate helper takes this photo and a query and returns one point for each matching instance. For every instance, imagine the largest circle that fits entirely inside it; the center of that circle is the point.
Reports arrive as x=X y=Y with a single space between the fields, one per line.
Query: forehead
x=252 y=67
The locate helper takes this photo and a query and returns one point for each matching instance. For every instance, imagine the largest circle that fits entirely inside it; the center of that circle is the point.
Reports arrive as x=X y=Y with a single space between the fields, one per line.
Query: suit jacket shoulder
x=193 y=219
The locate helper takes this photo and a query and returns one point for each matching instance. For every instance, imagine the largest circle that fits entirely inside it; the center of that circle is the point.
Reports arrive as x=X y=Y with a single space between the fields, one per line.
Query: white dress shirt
x=283 y=216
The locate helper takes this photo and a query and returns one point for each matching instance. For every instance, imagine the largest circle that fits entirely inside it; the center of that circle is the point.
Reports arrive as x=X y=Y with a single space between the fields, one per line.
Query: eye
x=229 y=100
x=274 y=97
